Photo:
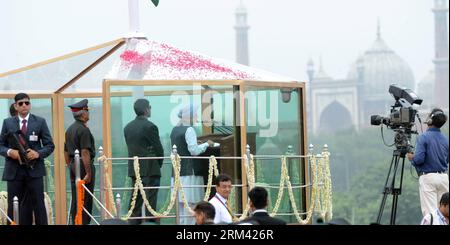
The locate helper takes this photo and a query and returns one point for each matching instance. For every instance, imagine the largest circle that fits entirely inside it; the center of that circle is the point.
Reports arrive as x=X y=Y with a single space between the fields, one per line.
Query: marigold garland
x=80 y=202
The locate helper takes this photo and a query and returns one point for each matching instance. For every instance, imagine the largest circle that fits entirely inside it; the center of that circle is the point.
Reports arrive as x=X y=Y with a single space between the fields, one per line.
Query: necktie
x=24 y=126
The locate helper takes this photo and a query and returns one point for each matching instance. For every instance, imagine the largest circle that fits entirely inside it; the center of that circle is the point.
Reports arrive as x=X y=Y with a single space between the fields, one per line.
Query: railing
x=117 y=204
x=313 y=183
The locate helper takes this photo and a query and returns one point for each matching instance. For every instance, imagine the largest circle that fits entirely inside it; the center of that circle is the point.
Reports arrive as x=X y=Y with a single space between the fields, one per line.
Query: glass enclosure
x=114 y=74
x=273 y=119
x=215 y=121
x=274 y=127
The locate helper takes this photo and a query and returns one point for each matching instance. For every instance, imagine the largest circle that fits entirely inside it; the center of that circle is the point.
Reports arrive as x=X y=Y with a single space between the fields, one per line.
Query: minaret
x=241 y=27
x=441 y=54
x=309 y=99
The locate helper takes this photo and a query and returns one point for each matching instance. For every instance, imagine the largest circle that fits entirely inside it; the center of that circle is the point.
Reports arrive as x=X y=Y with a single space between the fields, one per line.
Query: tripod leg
x=387 y=189
x=383 y=203
x=396 y=192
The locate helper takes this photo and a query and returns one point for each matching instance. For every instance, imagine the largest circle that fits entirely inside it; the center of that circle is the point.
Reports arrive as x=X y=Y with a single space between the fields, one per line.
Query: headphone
x=432 y=115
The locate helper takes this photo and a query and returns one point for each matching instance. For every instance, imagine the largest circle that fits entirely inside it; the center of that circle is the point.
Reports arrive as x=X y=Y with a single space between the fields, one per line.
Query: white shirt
x=438 y=218
x=191 y=141
x=21 y=119
x=259 y=211
x=20 y=126
x=220 y=205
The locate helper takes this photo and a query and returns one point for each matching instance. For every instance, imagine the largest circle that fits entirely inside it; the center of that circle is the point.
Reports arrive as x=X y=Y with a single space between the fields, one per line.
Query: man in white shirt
x=438 y=216
x=220 y=202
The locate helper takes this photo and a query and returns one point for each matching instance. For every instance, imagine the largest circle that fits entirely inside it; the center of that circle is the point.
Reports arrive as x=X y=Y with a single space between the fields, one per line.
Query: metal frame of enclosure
x=240 y=106
x=58 y=96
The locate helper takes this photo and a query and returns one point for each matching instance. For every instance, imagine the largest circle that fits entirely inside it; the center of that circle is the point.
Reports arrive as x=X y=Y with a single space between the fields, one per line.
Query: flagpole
x=133 y=17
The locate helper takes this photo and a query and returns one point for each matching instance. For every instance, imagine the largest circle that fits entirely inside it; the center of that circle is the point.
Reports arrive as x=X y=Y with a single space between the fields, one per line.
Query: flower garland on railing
x=324 y=207
x=49 y=208
x=313 y=193
x=80 y=202
x=176 y=165
x=251 y=182
x=103 y=159
x=280 y=190
x=3 y=206
x=212 y=168
x=321 y=197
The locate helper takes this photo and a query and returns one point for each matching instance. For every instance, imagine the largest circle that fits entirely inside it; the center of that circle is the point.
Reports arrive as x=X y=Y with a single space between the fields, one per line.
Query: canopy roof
x=125 y=59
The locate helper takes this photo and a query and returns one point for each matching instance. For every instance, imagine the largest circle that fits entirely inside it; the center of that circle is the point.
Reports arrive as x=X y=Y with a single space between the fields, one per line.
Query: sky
x=283 y=35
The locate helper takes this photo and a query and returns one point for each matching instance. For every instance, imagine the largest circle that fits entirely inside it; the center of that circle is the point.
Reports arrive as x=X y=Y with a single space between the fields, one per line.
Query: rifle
x=16 y=140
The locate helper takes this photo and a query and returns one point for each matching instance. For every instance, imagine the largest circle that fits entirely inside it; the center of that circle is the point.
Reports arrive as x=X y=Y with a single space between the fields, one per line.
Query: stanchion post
x=247 y=152
x=16 y=210
x=77 y=175
x=177 y=199
x=325 y=148
x=101 y=182
x=118 y=206
x=310 y=155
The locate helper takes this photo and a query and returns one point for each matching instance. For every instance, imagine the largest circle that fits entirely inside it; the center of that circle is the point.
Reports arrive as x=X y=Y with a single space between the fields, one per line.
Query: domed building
x=339 y=104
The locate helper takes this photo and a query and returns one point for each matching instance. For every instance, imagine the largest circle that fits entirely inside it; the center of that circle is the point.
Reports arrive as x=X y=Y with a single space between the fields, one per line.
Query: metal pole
x=101 y=183
x=133 y=14
x=177 y=199
x=290 y=171
x=16 y=210
x=118 y=206
x=247 y=163
x=77 y=176
x=247 y=152
x=77 y=166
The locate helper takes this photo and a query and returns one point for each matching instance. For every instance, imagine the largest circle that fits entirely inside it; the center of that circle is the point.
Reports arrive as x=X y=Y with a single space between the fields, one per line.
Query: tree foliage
x=359 y=166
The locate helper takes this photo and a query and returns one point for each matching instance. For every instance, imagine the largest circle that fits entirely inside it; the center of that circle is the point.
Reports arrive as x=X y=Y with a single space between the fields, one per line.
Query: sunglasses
x=23 y=102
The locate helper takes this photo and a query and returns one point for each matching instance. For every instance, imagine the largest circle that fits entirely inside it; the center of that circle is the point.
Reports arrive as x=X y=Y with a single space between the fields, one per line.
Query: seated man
x=204 y=213
x=258 y=204
x=438 y=216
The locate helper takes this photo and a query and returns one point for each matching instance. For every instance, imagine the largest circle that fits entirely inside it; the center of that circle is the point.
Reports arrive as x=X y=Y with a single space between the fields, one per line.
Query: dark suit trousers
x=30 y=192
x=151 y=194
x=87 y=198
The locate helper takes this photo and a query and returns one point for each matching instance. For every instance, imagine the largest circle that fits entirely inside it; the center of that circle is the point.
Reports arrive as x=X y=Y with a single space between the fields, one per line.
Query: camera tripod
x=390 y=187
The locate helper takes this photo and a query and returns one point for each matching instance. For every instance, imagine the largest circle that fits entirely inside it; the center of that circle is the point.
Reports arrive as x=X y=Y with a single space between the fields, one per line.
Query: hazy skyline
x=284 y=34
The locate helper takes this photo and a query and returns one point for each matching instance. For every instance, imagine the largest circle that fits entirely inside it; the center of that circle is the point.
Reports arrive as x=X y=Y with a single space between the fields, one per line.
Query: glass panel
x=42 y=108
x=273 y=128
x=166 y=102
x=95 y=124
x=92 y=81
x=50 y=77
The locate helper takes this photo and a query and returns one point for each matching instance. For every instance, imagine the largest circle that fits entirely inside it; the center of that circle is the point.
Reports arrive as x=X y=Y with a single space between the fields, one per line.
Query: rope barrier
x=320 y=195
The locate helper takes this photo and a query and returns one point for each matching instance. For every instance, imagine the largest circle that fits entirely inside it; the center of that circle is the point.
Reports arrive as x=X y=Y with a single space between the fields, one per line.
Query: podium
x=229 y=147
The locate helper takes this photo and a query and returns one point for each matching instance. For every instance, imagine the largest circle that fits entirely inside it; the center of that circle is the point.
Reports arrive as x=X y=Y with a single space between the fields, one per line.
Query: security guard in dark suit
x=142 y=138
x=79 y=137
x=26 y=181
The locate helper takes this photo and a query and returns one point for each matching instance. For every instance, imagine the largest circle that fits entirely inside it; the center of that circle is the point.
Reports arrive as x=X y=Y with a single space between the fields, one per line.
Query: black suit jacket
x=44 y=145
x=142 y=138
x=263 y=218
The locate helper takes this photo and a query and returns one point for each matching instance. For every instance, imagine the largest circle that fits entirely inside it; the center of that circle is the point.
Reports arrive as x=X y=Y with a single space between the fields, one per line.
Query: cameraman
x=431 y=162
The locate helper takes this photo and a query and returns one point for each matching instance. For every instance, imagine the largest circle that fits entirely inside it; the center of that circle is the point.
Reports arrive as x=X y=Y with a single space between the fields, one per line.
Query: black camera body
x=402 y=117
x=399 y=117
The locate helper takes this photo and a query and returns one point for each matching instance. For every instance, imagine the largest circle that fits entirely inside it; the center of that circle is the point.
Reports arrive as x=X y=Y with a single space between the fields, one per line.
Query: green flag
x=155 y=2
